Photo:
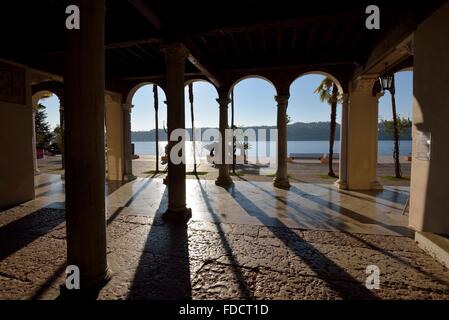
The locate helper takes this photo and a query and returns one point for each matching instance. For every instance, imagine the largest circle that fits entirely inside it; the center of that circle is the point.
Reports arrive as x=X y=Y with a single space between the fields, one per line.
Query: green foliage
x=393 y=178
x=56 y=145
x=44 y=136
x=326 y=91
x=403 y=125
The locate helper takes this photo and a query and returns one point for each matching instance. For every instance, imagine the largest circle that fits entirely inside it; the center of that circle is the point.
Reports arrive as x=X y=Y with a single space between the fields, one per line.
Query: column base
x=224 y=182
x=182 y=215
x=341 y=185
x=281 y=183
x=375 y=185
x=89 y=289
x=129 y=177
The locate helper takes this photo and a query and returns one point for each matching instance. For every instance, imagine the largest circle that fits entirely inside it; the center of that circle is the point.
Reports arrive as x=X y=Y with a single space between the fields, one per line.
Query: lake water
x=385 y=148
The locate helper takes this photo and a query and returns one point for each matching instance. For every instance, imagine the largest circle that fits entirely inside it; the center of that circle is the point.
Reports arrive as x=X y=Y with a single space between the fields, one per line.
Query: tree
x=57 y=142
x=328 y=92
x=156 y=119
x=44 y=136
x=193 y=126
x=397 y=165
x=396 y=127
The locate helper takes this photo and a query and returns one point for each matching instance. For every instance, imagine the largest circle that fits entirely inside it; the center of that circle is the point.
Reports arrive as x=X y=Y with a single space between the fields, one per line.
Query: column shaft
x=362 y=130
x=224 y=179
x=281 y=179
x=342 y=182
x=127 y=143
x=175 y=62
x=61 y=127
x=35 y=166
x=84 y=81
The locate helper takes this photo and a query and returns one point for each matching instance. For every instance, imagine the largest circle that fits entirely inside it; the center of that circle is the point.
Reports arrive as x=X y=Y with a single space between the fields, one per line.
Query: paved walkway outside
x=253 y=241
x=299 y=170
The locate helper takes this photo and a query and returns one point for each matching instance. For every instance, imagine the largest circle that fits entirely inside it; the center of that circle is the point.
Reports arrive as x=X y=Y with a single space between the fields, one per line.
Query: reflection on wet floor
x=305 y=205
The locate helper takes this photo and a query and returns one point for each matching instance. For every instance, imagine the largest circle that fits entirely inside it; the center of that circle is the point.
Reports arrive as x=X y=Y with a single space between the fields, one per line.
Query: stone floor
x=253 y=241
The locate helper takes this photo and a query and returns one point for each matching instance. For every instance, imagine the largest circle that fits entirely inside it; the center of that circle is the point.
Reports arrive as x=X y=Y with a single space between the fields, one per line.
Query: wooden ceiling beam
x=263 y=40
x=234 y=44
x=201 y=63
x=287 y=23
x=149 y=54
x=147 y=13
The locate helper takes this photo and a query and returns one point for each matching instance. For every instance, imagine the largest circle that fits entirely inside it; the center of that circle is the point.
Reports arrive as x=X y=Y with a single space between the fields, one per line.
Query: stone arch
x=341 y=89
x=256 y=76
x=39 y=90
x=40 y=95
x=189 y=81
x=130 y=95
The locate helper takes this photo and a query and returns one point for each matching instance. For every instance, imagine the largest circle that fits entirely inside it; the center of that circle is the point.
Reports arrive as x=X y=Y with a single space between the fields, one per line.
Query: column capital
x=224 y=102
x=345 y=98
x=174 y=49
x=127 y=106
x=364 y=84
x=282 y=100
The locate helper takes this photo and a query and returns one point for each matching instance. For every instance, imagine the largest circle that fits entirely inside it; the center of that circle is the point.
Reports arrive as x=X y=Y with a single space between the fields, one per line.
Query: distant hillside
x=299 y=131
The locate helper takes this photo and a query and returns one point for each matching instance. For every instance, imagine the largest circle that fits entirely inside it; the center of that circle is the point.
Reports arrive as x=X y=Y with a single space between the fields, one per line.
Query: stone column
x=35 y=166
x=175 y=55
x=362 y=130
x=61 y=126
x=342 y=182
x=127 y=144
x=84 y=83
x=281 y=179
x=429 y=200
x=224 y=179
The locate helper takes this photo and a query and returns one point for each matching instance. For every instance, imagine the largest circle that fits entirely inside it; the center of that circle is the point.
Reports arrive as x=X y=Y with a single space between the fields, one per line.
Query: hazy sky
x=254 y=103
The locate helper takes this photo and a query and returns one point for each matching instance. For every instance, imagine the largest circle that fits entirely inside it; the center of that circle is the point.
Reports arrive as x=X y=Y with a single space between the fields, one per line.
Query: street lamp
x=386 y=79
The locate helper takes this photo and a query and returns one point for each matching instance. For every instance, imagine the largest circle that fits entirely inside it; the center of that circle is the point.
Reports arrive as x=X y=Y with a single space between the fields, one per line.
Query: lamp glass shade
x=385 y=81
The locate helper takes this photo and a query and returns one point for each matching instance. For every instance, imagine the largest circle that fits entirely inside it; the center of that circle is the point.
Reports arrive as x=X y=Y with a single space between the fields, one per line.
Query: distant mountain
x=298 y=131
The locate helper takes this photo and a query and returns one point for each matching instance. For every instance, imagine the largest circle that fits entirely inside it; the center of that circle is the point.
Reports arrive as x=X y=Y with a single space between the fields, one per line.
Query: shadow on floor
x=336 y=278
x=163 y=270
x=245 y=292
x=400 y=230
x=21 y=232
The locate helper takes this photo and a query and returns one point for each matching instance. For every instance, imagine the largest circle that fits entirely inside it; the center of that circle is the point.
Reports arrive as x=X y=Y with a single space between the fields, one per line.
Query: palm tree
x=156 y=117
x=193 y=126
x=397 y=165
x=328 y=92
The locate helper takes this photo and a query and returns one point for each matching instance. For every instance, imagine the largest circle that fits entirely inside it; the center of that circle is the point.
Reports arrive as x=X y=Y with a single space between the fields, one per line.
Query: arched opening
x=402 y=97
x=201 y=114
x=314 y=113
x=148 y=128
x=253 y=110
x=47 y=115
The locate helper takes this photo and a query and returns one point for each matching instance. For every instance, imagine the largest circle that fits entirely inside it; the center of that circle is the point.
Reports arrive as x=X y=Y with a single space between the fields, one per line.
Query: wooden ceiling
x=221 y=36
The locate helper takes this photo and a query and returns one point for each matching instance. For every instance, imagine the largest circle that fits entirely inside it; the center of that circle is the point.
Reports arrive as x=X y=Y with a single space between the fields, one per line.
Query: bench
x=312 y=156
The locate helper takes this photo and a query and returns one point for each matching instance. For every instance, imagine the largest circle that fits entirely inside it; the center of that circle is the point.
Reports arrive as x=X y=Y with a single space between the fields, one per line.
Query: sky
x=254 y=103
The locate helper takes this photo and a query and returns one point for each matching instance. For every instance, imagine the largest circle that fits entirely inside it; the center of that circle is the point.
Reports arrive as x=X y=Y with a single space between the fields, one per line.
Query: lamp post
x=387 y=83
